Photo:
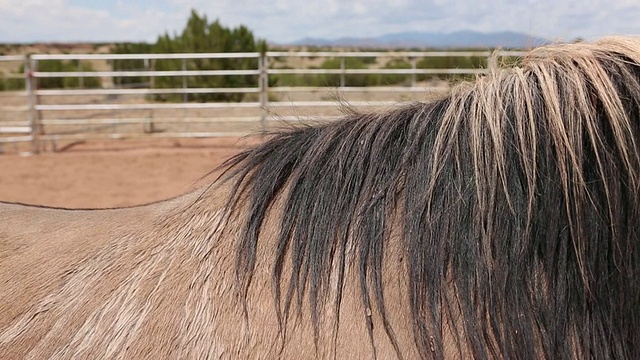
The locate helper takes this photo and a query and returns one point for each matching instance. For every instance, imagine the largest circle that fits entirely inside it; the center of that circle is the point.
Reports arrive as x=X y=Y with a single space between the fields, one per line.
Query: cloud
x=289 y=20
x=58 y=20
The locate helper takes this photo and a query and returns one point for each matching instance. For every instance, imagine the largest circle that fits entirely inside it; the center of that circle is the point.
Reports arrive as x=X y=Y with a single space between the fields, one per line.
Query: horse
x=501 y=220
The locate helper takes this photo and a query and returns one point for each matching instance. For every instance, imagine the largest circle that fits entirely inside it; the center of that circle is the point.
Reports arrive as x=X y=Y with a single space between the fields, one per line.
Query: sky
x=285 y=21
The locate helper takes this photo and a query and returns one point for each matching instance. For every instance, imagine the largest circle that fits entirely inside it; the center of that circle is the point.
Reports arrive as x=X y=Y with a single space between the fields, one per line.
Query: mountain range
x=459 y=39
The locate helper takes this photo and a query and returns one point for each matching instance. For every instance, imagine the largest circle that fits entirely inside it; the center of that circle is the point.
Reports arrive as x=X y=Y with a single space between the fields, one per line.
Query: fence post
x=263 y=83
x=184 y=81
x=342 y=75
x=150 y=65
x=31 y=83
x=413 y=71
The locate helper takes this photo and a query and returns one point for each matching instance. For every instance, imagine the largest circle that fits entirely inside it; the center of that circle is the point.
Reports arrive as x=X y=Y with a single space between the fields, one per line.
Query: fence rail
x=40 y=104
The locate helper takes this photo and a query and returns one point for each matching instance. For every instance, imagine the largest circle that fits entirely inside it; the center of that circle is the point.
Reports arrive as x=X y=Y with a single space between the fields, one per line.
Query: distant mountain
x=459 y=39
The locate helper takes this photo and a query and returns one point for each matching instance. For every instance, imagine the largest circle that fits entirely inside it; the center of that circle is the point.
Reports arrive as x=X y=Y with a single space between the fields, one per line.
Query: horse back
x=40 y=247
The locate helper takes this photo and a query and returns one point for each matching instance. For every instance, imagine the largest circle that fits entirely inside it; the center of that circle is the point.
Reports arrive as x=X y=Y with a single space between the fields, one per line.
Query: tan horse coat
x=153 y=282
x=499 y=222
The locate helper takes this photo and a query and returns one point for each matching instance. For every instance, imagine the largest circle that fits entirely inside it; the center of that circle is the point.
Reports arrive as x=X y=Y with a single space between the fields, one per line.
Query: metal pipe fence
x=54 y=98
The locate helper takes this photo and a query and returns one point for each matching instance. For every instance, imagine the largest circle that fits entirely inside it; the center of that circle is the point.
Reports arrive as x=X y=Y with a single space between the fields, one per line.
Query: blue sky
x=282 y=21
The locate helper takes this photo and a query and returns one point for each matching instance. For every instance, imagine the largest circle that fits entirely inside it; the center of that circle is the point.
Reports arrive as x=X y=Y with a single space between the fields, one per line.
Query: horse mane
x=515 y=199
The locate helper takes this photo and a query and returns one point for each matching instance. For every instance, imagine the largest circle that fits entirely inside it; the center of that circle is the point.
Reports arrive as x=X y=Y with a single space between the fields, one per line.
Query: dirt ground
x=114 y=174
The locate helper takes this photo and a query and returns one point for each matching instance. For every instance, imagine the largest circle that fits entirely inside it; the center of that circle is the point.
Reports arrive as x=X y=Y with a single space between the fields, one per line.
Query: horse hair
x=517 y=199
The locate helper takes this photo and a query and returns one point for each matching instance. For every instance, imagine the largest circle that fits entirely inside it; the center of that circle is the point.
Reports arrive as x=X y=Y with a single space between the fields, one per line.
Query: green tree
x=130 y=64
x=202 y=36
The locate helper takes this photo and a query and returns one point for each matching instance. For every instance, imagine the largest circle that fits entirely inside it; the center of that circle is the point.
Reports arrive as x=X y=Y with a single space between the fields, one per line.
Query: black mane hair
x=516 y=199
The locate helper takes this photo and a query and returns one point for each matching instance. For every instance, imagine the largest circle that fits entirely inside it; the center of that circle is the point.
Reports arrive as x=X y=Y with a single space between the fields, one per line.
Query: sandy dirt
x=114 y=174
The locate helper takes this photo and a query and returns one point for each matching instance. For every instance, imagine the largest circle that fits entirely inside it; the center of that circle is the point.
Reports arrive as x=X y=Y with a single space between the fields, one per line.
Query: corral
x=118 y=96
x=171 y=145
